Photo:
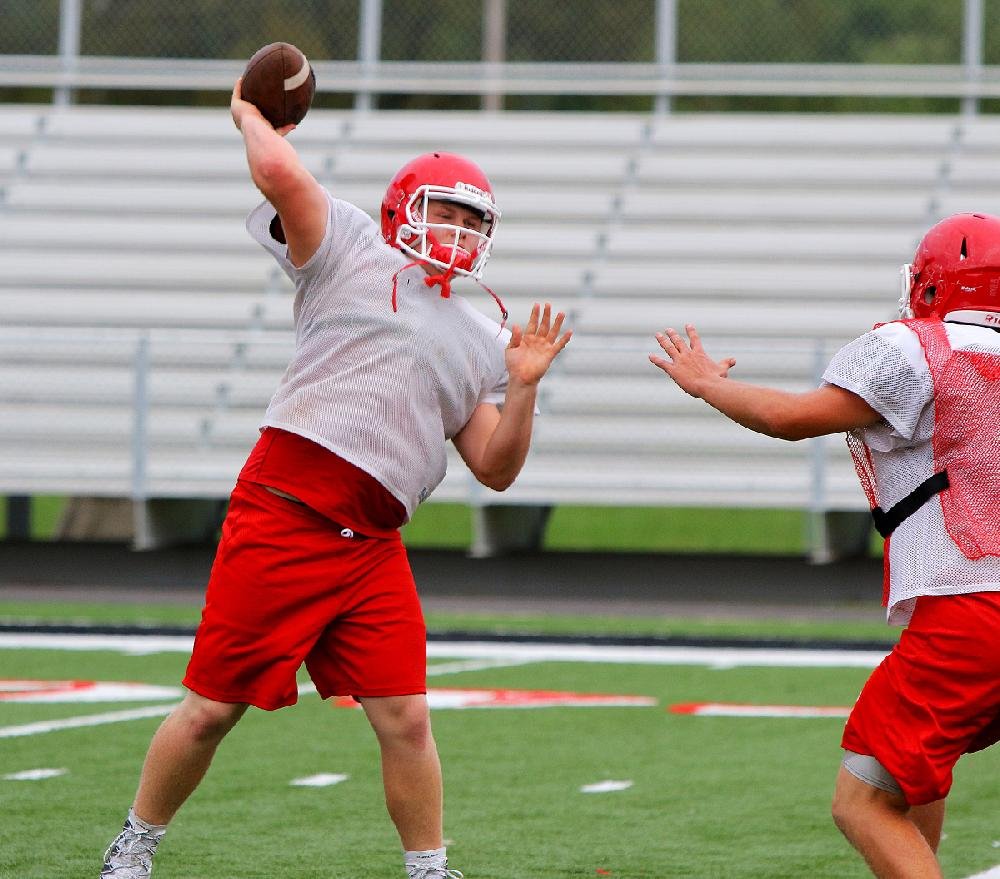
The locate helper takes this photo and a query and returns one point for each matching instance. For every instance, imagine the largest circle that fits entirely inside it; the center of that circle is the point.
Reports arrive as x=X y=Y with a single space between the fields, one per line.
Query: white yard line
x=137 y=645
x=713 y=657
x=604 y=787
x=993 y=873
x=44 y=726
x=503 y=652
x=322 y=779
x=35 y=774
x=451 y=668
x=728 y=709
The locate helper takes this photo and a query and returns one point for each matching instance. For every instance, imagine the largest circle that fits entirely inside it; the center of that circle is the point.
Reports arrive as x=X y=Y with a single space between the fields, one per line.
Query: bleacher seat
x=779 y=236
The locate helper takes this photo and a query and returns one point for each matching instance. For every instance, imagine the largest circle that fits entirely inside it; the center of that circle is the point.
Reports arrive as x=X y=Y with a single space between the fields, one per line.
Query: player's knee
x=413 y=729
x=206 y=720
x=404 y=721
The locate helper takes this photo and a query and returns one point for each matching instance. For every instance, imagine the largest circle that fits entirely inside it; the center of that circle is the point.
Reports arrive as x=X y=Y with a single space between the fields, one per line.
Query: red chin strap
x=443 y=280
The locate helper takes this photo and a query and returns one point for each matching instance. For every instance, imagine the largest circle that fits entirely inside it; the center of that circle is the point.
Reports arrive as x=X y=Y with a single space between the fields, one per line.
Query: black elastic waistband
x=887 y=521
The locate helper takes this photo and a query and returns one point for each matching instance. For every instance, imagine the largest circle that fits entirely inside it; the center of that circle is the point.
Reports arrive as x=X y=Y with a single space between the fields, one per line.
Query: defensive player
x=388 y=365
x=920 y=399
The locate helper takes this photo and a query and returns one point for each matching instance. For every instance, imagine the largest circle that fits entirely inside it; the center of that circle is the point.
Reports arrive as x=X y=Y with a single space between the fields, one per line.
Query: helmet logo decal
x=475 y=190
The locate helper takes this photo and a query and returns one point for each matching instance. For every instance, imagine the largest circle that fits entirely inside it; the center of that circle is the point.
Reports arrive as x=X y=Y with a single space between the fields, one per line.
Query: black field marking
x=502 y=637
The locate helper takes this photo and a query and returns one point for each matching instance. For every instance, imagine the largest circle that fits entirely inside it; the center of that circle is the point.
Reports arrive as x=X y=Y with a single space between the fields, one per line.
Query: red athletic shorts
x=935 y=697
x=288 y=588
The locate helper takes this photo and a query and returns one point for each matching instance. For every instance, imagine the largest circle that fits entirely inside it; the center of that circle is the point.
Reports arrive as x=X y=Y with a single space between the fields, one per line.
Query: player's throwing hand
x=689 y=365
x=532 y=350
x=241 y=109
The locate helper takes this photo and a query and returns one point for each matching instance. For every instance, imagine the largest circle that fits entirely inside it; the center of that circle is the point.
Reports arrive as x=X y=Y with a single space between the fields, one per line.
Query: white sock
x=158 y=829
x=435 y=857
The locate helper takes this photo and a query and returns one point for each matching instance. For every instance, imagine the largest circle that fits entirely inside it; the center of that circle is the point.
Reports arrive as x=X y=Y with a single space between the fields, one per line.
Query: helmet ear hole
x=965 y=249
x=929 y=295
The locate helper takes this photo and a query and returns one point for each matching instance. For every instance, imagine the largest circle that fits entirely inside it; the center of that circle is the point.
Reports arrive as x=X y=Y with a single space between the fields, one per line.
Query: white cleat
x=130 y=856
x=435 y=873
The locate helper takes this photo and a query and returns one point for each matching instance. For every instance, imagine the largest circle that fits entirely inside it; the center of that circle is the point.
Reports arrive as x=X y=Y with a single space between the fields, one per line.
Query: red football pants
x=935 y=697
x=286 y=588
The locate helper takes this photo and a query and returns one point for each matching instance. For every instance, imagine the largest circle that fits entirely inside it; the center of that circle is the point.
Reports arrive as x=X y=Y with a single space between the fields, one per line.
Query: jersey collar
x=989 y=319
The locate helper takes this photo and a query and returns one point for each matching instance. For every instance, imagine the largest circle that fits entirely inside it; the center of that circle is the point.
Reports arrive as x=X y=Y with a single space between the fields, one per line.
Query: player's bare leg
x=879 y=825
x=930 y=821
x=411 y=771
x=178 y=757
x=180 y=754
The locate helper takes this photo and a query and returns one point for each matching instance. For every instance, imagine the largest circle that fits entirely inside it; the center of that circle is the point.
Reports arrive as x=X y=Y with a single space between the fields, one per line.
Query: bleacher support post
x=18 y=517
x=369 y=47
x=162 y=522
x=494 y=44
x=69 y=47
x=666 y=49
x=972 y=50
x=838 y=534
x=498 y=529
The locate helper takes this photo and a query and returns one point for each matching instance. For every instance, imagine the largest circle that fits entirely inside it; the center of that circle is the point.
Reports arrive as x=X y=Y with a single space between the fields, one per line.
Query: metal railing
x=664 y=75
x=555 y=78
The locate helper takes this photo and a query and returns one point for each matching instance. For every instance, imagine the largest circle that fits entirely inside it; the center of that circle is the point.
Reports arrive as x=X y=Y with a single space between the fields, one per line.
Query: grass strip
x=78 y=613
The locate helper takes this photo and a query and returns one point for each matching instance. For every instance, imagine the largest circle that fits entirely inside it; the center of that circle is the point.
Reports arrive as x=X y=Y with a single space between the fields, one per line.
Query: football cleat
x=130 y=856
x=434 y=873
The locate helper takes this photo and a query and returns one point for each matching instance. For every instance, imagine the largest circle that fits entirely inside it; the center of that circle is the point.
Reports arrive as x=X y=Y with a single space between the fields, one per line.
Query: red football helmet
x=440 y=177
x=956 y=266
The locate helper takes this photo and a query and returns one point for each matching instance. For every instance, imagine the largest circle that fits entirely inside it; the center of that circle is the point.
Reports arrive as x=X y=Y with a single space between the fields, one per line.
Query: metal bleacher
x=142 y=331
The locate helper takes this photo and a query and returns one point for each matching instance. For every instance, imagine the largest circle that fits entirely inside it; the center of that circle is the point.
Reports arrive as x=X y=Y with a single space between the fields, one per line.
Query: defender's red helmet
x=956 y=266
x=444 y=177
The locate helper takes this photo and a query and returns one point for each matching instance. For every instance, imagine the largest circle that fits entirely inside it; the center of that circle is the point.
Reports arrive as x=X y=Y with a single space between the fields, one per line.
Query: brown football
x=279 y=82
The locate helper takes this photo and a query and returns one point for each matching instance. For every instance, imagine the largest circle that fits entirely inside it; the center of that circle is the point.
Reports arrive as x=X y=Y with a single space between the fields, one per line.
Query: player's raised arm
x=285 y=182
x=777 y=413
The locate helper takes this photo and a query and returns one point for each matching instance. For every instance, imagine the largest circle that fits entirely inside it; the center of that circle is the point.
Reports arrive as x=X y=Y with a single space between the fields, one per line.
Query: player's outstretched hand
x=688 y=364
x=532 y=350
x=241 y=109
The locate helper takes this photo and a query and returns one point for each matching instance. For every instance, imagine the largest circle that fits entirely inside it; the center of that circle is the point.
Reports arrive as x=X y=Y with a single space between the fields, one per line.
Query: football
x=280 y=82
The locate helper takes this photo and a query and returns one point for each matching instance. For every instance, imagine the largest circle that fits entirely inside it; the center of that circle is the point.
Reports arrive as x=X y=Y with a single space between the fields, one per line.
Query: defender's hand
x=688 y=364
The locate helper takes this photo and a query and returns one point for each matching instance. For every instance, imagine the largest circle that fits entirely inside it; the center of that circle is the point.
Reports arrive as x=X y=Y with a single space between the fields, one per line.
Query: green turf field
x=710 y=796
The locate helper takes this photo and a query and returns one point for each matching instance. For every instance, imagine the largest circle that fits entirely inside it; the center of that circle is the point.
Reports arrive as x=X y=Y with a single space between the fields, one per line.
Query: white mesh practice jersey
x=382 y=389
x=887 y=368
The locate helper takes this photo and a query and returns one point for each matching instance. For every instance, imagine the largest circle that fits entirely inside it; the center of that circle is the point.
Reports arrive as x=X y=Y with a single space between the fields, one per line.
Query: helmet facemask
x=438 y=243
x=906 y=283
